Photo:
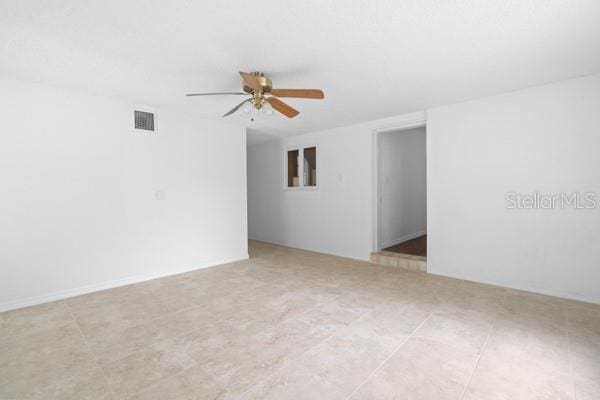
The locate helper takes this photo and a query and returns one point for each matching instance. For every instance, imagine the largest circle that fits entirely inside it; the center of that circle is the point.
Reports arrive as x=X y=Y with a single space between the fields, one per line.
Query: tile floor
x=291 y=324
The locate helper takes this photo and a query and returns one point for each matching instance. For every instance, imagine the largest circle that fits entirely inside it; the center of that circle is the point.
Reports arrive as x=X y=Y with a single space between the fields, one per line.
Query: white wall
x=78 y=210
x=403 y=188
x=338 y=217
x=543 y=139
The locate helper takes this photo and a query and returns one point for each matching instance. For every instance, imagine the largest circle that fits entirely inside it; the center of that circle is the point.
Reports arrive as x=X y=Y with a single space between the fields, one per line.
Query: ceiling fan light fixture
x=267 y=109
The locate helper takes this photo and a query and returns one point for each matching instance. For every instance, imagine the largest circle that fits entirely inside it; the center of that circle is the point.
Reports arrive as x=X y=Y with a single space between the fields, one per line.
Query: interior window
x=310 y=166
x=293 y=179
x=302 y=167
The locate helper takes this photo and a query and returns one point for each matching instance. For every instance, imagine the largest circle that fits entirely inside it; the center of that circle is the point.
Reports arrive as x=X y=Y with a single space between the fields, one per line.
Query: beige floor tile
x=191 y=384
x=102 y=320
x=580 y=312
x=60 y=371
x=421 y=369
x=15 y=346
x=135 y=372
x=22 y=356
x=266 y=273
x=84 y=384
x=345 y=358
x=214 y=336
x=294 y=335
x=98 y=314
x=524 y=306
x=31 y=320
x=484 y=302
x=116 y=344
x=457 y=329
x=586 y=373
x=584 y=329
x=219 y=286
x=584 y=342
x=509 y=372
x=587 y=389
x=389 y=324
x=531 y=340
x=238 y=362
x=340 y=312
x=294 y=382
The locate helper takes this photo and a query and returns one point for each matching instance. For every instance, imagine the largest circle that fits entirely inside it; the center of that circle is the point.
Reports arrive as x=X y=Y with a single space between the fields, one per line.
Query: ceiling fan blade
x=213 y=93
x=251 y=81
x=282 y=107
x=234 y=109
x=299 y=93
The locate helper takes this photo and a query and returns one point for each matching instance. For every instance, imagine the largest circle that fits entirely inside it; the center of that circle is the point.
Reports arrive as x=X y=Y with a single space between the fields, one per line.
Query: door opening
x=401 y=196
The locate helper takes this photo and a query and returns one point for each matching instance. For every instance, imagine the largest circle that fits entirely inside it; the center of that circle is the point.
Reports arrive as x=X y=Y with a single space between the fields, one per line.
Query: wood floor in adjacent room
x=291 y=324
x=414 y=247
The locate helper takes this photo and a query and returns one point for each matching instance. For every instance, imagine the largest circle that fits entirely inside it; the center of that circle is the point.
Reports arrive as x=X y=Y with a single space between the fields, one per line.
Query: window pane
x=310 y=166
x=292 y=168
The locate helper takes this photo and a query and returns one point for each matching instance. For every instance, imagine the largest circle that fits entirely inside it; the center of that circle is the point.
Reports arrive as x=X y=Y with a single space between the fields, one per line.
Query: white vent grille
x=144 y=120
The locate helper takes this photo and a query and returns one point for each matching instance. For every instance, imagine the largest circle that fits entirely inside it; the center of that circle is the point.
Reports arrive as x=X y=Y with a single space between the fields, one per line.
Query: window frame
x=300 y=149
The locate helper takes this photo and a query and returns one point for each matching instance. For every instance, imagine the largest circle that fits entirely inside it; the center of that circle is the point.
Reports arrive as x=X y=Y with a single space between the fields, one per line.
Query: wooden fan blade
x=300 y=93
x=214 y=93
x=251 y=81
x=282 y=107
x=234 y=109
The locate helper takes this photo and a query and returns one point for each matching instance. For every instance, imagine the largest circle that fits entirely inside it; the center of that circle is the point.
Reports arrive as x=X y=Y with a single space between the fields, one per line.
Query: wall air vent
x=143 y=121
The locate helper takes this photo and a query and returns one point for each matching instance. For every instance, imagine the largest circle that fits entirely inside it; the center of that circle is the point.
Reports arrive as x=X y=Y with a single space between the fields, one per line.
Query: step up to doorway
x=407 y=261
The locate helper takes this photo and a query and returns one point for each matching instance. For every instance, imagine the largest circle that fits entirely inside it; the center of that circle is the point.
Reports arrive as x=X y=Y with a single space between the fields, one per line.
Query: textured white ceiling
x=373 y=59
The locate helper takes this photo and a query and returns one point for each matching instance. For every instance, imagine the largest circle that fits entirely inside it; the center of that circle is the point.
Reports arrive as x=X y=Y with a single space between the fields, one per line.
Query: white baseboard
x=313 y=249
x=63 y=294
x=519 y=286
x=403 y=239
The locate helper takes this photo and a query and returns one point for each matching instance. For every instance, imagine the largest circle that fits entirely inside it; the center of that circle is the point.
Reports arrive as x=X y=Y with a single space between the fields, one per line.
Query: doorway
x=402 y=194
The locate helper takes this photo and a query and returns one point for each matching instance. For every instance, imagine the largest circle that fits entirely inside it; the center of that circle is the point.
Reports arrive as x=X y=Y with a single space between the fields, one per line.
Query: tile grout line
x=487 y=339
x=87 y=344
x=570 y=353
x=380 y=366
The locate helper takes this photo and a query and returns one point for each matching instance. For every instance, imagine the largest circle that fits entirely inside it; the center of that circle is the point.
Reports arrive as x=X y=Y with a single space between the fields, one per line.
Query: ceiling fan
x=262 y=95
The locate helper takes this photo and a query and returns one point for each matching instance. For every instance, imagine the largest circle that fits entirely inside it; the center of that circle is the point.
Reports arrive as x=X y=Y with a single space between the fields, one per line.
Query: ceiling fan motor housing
x=265 y=82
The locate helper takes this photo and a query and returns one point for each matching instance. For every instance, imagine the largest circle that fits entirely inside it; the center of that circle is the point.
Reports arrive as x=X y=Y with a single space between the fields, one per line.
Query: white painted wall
x=78 y=209
x=543 y=139
x=338 y=217
x=403 y=188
